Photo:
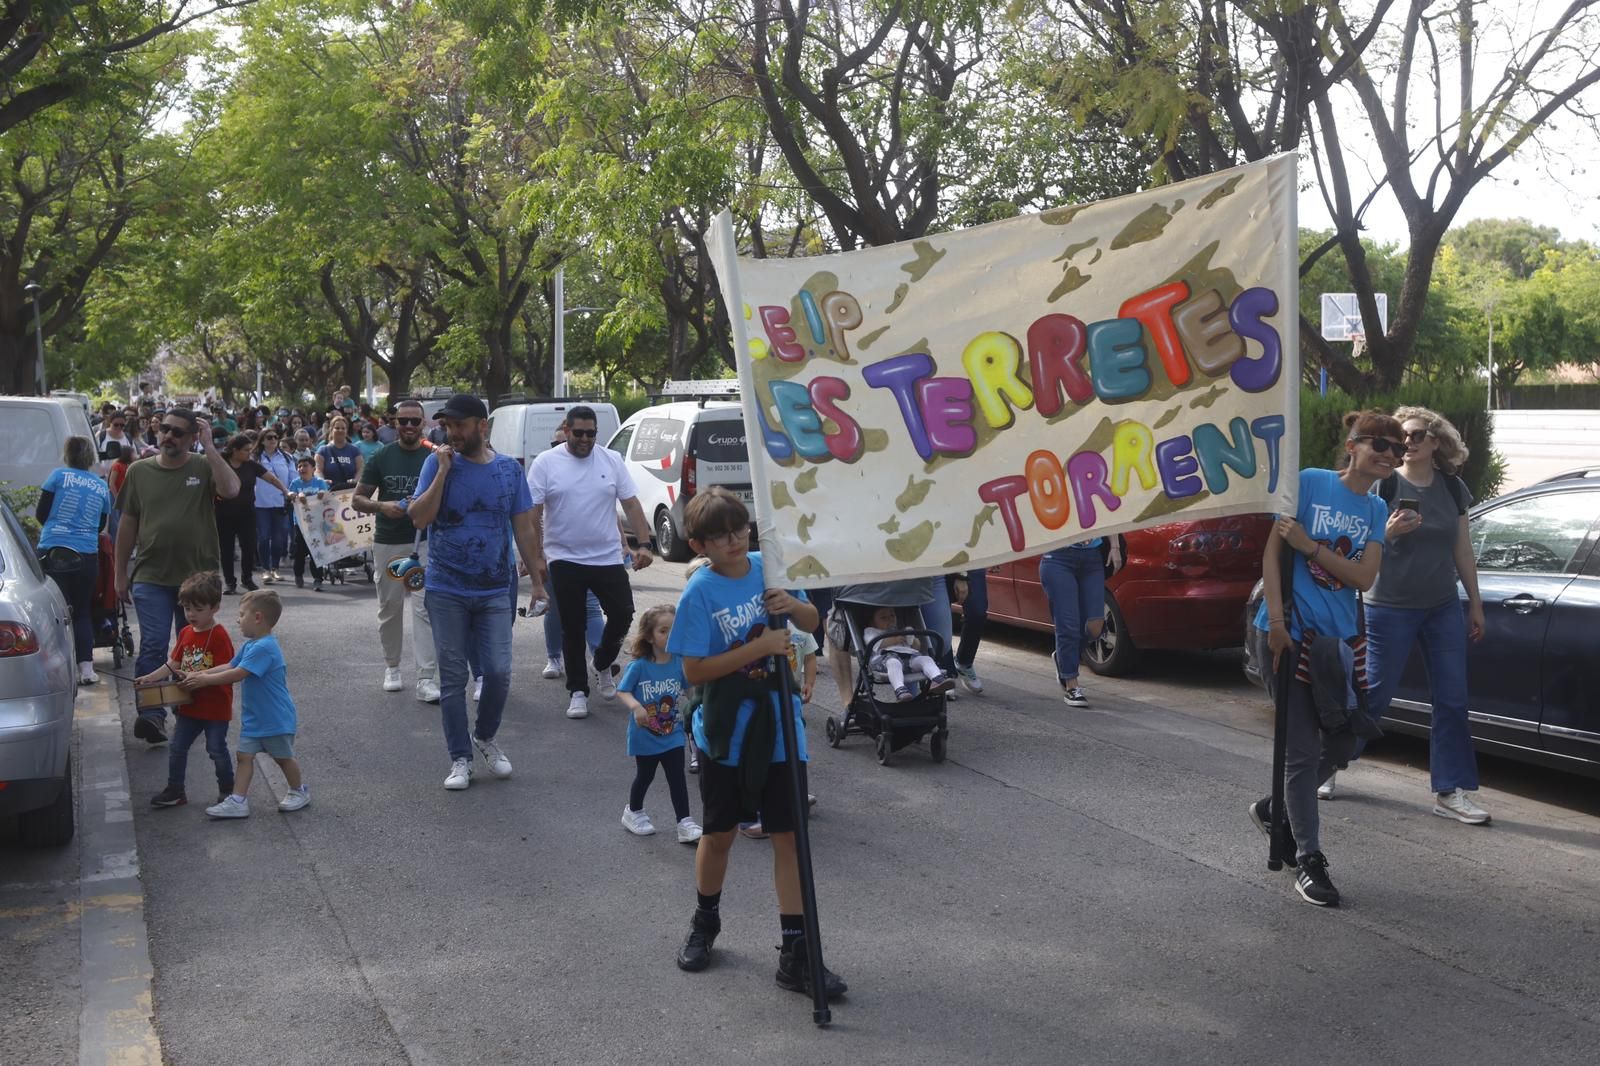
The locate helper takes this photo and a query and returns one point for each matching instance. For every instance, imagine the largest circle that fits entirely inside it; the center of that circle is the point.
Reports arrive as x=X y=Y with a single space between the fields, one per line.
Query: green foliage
x=22 y=499
x=1322 y=428
x=1513 y=246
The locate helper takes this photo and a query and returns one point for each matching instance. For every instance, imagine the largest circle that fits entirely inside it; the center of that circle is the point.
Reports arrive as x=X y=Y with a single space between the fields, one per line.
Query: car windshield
x=27 y=437
x=720 y=442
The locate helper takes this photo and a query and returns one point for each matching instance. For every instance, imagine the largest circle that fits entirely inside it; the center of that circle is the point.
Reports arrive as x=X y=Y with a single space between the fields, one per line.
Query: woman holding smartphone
x=1415 y=603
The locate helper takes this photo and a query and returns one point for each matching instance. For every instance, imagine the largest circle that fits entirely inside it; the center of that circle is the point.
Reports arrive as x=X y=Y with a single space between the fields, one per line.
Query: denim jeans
x=937 y=617
x=1074 y=581
x=974 y=615
x=272 y=536
x=474 y=660
x=159 y=614
x=1442 y=632
x=460 y=622
x=184 y=731
x=595 y=624
x=77 y=585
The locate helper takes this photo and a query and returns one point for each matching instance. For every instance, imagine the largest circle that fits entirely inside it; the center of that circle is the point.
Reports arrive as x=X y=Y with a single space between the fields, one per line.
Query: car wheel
x=673 y=548
x=1112 y=654
x=51 y=826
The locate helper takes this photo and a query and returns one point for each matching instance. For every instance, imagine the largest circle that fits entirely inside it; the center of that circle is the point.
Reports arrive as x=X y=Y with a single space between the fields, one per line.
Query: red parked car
x=1184 y=585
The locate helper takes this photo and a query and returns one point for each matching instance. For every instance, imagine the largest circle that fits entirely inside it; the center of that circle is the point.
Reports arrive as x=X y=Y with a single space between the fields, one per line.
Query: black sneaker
x=695 y=955
x=231 y=590
x=1313 y=883
x=794 y=972
x=1261 y=814
x=171 y=796
x=250 y=586
x=148 y=729
x=299 y=581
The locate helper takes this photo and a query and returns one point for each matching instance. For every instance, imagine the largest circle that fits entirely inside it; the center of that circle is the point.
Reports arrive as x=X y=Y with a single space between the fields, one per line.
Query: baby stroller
x=339 y=569
x=873 y=709
x=110 y=618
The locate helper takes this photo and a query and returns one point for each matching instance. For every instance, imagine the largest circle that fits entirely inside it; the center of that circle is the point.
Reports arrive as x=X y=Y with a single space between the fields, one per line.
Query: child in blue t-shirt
x=267 y=719
x=306 y=484
x=653 y=689
x=721 y=631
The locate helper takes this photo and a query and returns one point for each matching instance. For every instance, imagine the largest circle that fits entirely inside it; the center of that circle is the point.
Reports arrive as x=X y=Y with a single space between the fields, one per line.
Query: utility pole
x=33 y=289
x=558 y=362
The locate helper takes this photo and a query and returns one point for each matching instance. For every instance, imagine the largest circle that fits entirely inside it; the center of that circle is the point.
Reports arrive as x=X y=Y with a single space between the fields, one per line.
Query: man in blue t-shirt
x=473 y=503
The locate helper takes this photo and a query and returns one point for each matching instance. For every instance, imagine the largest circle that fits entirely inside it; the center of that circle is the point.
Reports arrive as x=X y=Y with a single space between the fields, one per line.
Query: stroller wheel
x=835 y=731
x=884 y=747
x=936 y=745
x=116 y=653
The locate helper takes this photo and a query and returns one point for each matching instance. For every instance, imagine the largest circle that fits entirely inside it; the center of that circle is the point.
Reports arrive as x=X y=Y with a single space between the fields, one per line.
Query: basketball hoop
x=1358 y=344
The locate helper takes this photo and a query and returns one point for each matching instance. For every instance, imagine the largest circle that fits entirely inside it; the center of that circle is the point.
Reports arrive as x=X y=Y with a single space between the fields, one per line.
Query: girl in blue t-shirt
x=1337 y=535
x=653 y=688
x=74 y=506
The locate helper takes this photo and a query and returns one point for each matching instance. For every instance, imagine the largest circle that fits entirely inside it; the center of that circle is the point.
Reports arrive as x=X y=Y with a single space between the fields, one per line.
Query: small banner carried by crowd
x=332 y=528
x=968 y=398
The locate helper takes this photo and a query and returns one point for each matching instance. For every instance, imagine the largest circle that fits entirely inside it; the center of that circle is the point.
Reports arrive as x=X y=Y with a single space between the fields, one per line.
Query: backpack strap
x=1388 y=489
x=1458 y=492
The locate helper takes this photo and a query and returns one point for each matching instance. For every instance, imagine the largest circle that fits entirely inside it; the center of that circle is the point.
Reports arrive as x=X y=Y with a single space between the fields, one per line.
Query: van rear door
x=721 y=454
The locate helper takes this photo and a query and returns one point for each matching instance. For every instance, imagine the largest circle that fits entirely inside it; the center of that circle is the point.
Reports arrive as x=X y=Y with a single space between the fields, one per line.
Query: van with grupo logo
x=679 y=448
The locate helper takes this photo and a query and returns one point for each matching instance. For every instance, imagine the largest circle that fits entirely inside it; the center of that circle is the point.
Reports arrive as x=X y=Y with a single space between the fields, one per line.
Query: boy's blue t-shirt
x=301 y=485
x=716 y=613
x=82 y=501
x=659 y=688
x=470 y=546
x=266 y=707
x=1341 y=521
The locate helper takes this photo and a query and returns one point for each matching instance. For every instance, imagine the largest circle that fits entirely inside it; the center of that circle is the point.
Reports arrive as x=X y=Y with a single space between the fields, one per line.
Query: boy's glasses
x=728 y=539
x=1383 y=444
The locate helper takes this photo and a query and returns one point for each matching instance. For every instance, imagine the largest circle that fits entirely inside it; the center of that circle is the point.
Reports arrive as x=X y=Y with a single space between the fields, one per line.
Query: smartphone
x=1404 y=504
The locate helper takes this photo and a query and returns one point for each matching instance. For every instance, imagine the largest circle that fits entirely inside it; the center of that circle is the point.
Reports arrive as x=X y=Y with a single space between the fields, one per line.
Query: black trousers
x=301 y=554
x=645 y=772
x=572 y=583
x=237 y=528
x=77 y=585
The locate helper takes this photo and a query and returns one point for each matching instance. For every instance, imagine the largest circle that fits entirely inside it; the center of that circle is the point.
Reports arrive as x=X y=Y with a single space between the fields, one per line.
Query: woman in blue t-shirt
x=1337 y=535
x=73 y=507
x=338 y=461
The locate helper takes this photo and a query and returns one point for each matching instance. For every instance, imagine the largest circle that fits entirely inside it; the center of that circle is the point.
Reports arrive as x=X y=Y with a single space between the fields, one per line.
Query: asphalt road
x=1072 y=886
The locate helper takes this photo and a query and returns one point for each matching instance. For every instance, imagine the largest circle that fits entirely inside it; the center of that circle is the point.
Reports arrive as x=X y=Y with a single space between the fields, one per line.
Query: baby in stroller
x=899 y=650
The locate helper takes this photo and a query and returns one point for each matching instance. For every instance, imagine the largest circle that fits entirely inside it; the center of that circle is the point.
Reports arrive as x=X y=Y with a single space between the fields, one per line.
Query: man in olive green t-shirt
x=168 y=513
x=386 y=482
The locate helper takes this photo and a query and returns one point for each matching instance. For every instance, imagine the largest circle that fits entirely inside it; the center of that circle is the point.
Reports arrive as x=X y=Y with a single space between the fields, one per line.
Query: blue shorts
x=279 y=747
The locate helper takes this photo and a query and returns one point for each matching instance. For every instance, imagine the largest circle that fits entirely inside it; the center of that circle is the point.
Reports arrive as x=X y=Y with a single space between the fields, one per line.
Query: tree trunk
x=19 y=355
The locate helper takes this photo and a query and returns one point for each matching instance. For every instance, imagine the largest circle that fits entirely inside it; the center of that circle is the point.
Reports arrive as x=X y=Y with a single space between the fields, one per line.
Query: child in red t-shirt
x=202 y=645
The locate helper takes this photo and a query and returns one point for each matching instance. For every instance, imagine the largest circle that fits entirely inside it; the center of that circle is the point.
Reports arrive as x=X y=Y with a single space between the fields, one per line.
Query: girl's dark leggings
x=672 y=763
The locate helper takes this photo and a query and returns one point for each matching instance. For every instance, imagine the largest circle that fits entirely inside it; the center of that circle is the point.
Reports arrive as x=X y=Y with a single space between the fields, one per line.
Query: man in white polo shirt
x=575 y=492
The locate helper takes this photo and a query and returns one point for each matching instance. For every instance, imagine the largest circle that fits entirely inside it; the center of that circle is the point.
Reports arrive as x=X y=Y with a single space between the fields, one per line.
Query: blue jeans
x=974 y=614
x=1074 y=581
x=159 y=614
x=474 y=663
x=459 y=622
x=184 y=731
x=594 y=625
x=1442 y=631
x=937 y=617
x=272 y=536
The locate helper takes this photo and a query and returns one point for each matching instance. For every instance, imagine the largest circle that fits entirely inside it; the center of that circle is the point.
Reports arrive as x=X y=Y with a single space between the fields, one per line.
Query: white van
x=674 y=450
x=33 y=432
x=522 y=429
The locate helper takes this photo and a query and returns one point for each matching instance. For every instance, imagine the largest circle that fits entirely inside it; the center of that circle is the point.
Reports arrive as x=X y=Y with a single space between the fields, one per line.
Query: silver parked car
x=38 y=684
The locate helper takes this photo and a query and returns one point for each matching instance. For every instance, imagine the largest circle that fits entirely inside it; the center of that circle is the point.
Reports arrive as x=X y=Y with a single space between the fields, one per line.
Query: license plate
x=746 y=497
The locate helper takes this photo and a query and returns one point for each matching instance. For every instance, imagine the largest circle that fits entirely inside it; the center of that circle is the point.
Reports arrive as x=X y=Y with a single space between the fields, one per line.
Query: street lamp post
x=33 y=289
x=558 y=364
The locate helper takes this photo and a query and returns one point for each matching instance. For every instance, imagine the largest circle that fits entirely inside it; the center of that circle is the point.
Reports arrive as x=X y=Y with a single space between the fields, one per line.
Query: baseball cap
x=304 y=457
x=463 y=405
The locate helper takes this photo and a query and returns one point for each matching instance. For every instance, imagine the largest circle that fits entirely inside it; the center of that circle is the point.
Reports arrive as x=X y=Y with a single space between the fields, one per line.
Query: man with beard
x=168 y=505
x=575 y=491
x=388 y=480
x=473 y=503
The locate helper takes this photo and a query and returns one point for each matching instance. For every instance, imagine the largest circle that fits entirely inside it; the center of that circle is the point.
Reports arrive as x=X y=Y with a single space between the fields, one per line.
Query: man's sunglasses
x=1383 y=444
x=176 y=431
x=1417 y=436
x=408 y=421
x=582 y=433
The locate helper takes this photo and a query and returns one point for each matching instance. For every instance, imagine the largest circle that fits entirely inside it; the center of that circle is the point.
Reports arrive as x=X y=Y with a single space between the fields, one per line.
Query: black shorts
x=723 y=809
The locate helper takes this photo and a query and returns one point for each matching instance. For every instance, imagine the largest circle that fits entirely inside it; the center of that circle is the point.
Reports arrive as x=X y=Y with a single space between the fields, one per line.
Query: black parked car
x=1533 y=682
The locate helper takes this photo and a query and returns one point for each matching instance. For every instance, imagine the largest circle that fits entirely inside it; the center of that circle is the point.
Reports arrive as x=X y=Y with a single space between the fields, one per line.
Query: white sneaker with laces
x=608 y=681
x=229 y=807
x=552 y=669
x=477 y=690
x=689 y=831
x=296 y=799
x=86 y=674
x=499 y=765
x=578 y=706
x=636 y=822
x=969 y=679
x=392 y=681
x=427 y=690
x=1325 y=790
x=1458 y=804
x=1074 y=697
x=460 y=775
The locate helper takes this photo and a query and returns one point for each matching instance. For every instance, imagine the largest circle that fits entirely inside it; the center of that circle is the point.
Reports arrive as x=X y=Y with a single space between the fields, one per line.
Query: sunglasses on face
x=583 y=434
x=118 y=425
x=1383 y=444
x=408 y=421
x=1417 y=436
x=269 y=436
x=175 y=431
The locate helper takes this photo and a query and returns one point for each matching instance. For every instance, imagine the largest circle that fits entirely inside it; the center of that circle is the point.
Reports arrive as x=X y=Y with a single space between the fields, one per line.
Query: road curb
x=116 y=1024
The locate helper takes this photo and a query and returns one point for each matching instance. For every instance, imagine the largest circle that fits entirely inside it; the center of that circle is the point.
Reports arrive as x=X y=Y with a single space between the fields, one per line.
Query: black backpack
x=1389 y=490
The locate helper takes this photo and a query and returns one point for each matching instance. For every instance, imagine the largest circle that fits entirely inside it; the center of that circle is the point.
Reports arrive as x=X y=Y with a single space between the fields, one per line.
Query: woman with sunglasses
x=1337 y=536
x=236 y=517
x=272 y=509
x=1415 y=602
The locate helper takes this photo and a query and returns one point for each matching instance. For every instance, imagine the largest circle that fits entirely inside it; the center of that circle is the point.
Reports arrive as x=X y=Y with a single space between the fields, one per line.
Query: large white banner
x=979 y=396
x=333 y=529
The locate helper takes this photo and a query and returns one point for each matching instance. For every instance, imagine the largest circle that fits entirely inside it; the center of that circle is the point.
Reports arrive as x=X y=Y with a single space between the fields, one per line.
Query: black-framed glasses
x=408 y=421
x=118 y=425
x=1383 y=444
x=176 y=431
x=583 y=433
x=269 y=436
x=730 y=538
x=1417 y=436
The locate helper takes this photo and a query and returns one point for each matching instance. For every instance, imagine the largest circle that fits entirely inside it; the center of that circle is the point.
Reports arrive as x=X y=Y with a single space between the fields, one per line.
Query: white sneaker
x=1458 y=804
x=460 y=775
x=229 y=807
x=391 y=679
x=689 y=831
x=86 y=674
x=427 y=690
x=552 y=669
x=578 y=706
x=477 y=690
x=296 y=799
x=607 y=681
x=970 y=680
x=499 y=765
x=1325 y=790
x=270 y=577
x=636 y=822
